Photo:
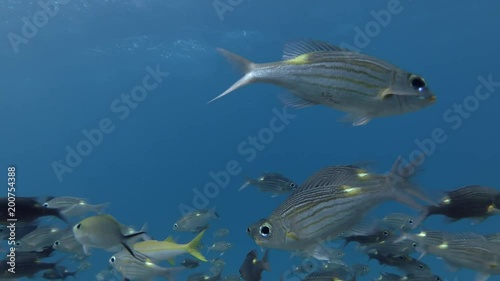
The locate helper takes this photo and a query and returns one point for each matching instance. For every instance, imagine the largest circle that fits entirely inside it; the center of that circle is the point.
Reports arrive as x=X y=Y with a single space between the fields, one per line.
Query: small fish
x=27 y=210
x=476 y=202
x=21 y=229
x=274 y=183
x=218 y=262
x=32 y=256
x=169 y=249
x=74 y=207
x=39 y=239
x=330 y=202
x=399 y=221
x=190 y=263
x=68 y=244
x=104 y=232
x=25 y=269
x=318 y=73
x=252 y=268
x=61 y=272
x=220 y=247
x=221 y=232
x=196 y=221
x=135 y=268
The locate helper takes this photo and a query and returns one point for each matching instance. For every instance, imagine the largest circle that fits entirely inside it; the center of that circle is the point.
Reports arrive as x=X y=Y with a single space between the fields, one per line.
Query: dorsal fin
x=170 y=239
x=298 y=48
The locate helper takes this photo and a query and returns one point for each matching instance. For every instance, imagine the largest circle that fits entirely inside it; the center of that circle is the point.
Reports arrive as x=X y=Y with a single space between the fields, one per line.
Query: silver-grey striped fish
x=318 y=73
x=330 y=202
x=274 y=183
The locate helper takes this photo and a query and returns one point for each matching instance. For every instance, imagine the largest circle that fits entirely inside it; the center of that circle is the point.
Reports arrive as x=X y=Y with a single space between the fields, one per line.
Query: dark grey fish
x=329 y=203
x=330 y=274
x=32 y=256
x=251 y=269
x=27 y=210
x=24 y=269
x=190 y=263
x=422 y=277
x=476 y=202
x=274 y=183
x=376 y=236
x=318 y=73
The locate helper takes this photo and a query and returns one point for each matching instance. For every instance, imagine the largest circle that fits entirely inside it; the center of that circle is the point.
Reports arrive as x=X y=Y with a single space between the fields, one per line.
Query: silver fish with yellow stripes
x=327 y=204
x=318 y=73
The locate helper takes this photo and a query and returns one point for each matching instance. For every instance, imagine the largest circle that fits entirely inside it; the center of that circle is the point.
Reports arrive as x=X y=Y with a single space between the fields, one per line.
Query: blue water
x=68 y=74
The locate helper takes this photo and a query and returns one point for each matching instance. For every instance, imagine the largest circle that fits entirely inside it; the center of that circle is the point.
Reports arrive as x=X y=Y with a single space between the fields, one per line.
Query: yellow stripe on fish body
x=169 y=249
x=302 y=59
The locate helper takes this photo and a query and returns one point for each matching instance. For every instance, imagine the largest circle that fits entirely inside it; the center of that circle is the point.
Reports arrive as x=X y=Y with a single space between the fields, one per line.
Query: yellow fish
x=169 y=249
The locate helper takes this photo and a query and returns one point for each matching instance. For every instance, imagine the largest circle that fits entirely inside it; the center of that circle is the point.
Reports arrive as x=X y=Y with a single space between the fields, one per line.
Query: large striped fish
x=319 y=73
x=330 y=202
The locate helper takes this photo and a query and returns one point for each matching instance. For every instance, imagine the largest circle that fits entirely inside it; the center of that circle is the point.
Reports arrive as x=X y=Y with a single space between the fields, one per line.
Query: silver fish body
x=329 y=203
x=318 y=73
x=271 y=182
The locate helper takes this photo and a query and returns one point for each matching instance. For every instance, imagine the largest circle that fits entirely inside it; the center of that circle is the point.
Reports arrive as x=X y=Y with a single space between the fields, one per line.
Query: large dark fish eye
x=46 y=205
x=410 y=221
x=57 y=243
x=249 y=230
x=417 y=82
x=78 y=226
x=176 y=225
x=386 y=232
x=414 y=245
x=112 y=259
x=265 y=229
x=18 y=244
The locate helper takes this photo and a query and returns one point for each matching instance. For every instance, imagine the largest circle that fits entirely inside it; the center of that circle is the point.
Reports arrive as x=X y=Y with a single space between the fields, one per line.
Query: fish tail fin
x=101 y=207
x=399 y=181
x=192 y=247
x=423 y=216
x=61 y=216
x=243 y=65
x=243 y=186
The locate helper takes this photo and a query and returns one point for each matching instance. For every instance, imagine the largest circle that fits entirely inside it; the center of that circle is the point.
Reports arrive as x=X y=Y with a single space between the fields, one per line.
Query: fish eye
x=410 y=221
x=46 y=205
x=176 y=225
x=18 y=243
x=78 y=226
x=57 y=243
x=265 y=229
x=414 y=245
x=112 y=259
x=417 y=82
x=386 y=233
x=249 y=230
x=421 y=266
x=293 y=185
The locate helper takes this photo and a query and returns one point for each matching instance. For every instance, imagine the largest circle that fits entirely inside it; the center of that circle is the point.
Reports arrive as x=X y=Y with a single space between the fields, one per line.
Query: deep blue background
x=65 y=78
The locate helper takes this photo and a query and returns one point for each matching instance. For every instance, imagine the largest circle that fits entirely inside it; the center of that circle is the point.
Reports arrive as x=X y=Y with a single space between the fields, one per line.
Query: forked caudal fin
x=192 y=247
x=243 y=65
